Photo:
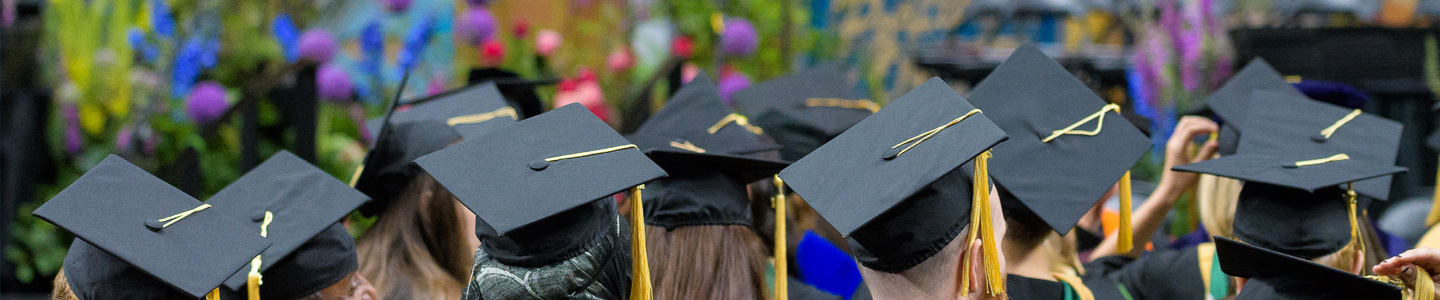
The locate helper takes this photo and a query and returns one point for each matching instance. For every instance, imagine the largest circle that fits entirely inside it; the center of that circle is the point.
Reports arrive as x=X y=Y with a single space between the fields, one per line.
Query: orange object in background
x=1110 y=219
x=1397 y=13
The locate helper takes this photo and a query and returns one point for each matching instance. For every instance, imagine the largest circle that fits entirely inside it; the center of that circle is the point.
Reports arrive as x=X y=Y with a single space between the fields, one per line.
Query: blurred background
x=199 y=91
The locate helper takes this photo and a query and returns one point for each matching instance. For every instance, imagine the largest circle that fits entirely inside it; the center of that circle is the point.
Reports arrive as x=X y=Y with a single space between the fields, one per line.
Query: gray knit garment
x=568 y=279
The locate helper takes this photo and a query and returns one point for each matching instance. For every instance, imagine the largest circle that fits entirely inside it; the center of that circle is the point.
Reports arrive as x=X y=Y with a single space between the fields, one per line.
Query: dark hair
x=1023 y=228
x=706 y=262
x=415 y=249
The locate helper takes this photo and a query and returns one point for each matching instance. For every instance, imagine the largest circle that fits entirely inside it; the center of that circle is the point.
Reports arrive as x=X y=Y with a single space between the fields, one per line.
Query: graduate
x=1067 y=149
x=920 y=226
x=422 y=241
x=802 y=111
x=298 y=208
x=1274 y=275
x=541 y=190
x=140 y=238
x=1289 y=126
x=698 y=219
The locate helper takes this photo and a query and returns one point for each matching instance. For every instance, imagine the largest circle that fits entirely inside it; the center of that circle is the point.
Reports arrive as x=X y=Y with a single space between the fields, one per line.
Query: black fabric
x=94 y=274
x=696 y=198
x=519 y=92
x=1232 y=100
x=1274 y=275
x=678 y=137
x=796 y=137
x=1272 y=169
x=1159 y=275
x=116 y=207
x=1433 y=140
x=898 y=210
x=1228 y=139
x=1294 y=128
x=468 y=101
x=1086 y=240
x=530 y=211
x=305 y=204
x=1030 y=96
x=319 y=263
x=554 y=238
x=1291 y=221
x=1026 y=288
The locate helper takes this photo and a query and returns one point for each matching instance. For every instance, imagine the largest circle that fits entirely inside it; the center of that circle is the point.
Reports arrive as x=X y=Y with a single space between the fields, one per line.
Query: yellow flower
x=92 y=118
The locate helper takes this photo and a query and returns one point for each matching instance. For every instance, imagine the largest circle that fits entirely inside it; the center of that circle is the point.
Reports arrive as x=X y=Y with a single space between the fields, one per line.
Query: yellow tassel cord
x=213 y=294
x=591 y=152
x=738 y=120
x=482 y=117
x=1350 y=198
x=1127 y=239
x=1434 y=216
x=1331 y=130
x=252 y=280
x=864 y=104
x=355 y=177
x=1099 y=124
x=981 y=227
x=917 y=139
x=639 y=263
x=1424 y=285
x=176 y=217
x=782 y=264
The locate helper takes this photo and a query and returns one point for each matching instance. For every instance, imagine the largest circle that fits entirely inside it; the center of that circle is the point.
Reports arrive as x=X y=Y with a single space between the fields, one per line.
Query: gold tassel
x=1424 y=286
x=1127 y=239
x=1434 y=216
x=640 y=265
x=782 y=264
x=252 y=282
x=213 y=294
x=1350 y=198
x=982 y=227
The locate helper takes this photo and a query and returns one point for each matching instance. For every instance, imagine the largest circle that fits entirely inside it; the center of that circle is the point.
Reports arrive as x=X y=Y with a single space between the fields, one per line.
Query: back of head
x=706 y=262
x=413 y=250
x=1217 y=197
x=600 y=271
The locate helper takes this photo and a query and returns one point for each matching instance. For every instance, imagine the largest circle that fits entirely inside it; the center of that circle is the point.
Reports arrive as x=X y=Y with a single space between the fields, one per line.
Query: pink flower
x=492 y=53
x=317 y=45
x=436 y=86
x=682 y=47
x=521 y=28
x=584 y=89
x=546 y=42
x=73 y=138
x=333 y=83
x=620 y=59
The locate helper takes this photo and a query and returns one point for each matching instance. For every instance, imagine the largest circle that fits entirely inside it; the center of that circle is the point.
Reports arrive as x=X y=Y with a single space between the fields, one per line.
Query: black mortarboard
x=429 y=124
x=695 y=131
x=296 y=206
x=1274 y=275
x=1232 y=100
x=140 y=238
x=1067 y=147
x=805 y=109
x=894 y=184
x=1316 y=129
x=519 y=92
x=545 y=179
x=1291 y=202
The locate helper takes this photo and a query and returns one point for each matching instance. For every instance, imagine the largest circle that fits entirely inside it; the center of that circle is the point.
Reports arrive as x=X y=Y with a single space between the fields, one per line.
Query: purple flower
x=478 y=25
x=206 y=102
x=738 y=38
x=73 y=138
x=731 y=83
x=317 y=45
x=333 y=83
x=124 y=138
x=396 y=5
x=148 y=140
x=478 y=2
x=288 y=35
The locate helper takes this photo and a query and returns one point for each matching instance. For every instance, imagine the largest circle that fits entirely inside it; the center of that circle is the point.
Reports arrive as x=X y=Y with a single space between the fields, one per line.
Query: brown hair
x=706 y=262
x=415 y=249
x=61 y=290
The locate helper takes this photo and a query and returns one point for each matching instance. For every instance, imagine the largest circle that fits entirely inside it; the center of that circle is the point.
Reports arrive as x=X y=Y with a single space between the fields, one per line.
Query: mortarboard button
x=154 y=224
x=539 y=164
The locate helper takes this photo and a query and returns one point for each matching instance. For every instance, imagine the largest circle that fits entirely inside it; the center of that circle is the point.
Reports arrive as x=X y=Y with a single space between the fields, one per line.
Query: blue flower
x=415 y=42
x=372 y=39
x=135 y=37
x=192 y=58
x=287 y=35
x=161 y=19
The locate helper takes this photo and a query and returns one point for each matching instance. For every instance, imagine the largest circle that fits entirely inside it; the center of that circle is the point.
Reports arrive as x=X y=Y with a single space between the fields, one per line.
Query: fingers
x=1426 y=258
x=1206 y=151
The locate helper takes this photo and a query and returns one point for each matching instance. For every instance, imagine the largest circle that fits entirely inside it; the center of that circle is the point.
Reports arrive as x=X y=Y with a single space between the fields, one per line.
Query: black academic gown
x=1164 y=274
x=799 y=290
x=1025 y=288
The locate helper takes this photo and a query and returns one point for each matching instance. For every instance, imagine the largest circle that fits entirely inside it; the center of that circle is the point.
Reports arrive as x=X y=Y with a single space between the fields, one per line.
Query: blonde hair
x=1215 y=198
x=415 y=249
x=1063 y=254
x=61 y=290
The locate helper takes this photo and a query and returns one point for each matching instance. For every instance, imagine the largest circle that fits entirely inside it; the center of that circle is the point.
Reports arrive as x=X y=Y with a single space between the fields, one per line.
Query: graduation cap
x=142 y=238
x=1316 y=129
x=1067 y=146
x=546 y=189
x=697 y=131
x=429 y=124
x=1232 y=100
x=296 y=206
x=1274 y=275
x=805 y=109
x=1291 y=202
x=894 y=185
x=519 y=92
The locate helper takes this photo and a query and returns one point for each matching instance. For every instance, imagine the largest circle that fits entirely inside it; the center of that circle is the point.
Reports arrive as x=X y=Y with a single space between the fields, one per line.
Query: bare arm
x=1148 y=218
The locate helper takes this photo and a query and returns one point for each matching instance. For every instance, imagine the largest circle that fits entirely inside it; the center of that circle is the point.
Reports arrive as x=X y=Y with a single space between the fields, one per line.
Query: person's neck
x=1032 y=264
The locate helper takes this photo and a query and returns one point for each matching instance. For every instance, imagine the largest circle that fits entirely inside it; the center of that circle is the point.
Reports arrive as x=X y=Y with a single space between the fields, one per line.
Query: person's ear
x=1357 y=266
x=974 y=254
x=364 y=291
